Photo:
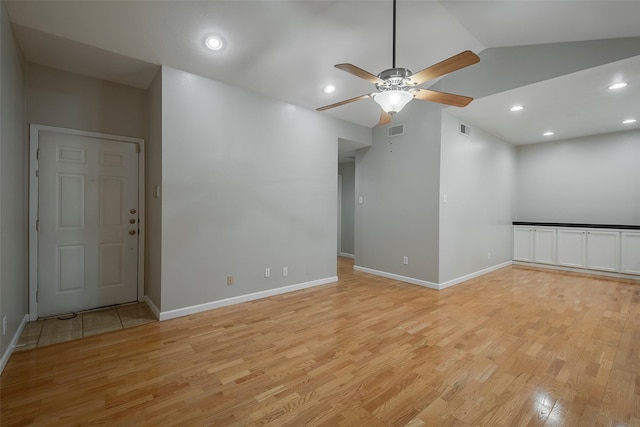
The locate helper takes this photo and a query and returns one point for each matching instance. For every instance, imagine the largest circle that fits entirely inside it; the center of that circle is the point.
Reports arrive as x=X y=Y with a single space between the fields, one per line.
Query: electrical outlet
x=267 y=272
x=285 y=271
x=229 y=280
x=405 y=260
x=4 y=325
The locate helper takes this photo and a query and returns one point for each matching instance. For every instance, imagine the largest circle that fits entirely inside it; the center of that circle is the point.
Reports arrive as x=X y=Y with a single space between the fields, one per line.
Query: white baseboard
x=346 y=255
x=172 y=314
x=12 y=345
x=431 y=285
x=470 y=276
x=397 y=277
x=154 y=309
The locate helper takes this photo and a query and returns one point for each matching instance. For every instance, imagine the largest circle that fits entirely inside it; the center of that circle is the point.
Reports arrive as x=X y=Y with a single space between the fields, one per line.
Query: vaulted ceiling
x=554 y=57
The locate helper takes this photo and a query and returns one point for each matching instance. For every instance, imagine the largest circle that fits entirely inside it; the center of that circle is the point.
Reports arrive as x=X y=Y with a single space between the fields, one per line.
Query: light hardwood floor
x=514 y=347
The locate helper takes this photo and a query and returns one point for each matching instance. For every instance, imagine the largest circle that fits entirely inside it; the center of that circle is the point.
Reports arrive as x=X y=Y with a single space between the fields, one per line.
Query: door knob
x=132 y=232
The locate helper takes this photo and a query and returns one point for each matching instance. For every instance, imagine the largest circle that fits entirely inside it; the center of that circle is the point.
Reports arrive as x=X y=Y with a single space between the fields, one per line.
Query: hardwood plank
x=518 y=346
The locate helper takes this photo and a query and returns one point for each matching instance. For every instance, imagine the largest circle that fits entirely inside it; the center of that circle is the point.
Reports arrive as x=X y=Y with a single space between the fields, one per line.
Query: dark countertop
x=576 y=225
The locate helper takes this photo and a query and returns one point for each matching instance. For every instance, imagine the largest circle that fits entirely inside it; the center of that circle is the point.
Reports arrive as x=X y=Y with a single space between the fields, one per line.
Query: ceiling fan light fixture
x=392 y=101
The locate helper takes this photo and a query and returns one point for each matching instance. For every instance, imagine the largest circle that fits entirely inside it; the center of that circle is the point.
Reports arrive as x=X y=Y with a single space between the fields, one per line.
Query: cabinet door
x=523 y=244
x=544 y=244
x=603 y=250
x=630 y=254
x=571 y=248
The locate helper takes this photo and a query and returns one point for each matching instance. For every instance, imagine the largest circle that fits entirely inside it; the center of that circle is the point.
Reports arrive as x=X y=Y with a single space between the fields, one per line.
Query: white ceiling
x=287 y=49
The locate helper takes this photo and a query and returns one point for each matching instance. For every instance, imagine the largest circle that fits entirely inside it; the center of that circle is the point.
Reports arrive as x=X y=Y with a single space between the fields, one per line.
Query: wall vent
x=465 y=130
x=395 y=130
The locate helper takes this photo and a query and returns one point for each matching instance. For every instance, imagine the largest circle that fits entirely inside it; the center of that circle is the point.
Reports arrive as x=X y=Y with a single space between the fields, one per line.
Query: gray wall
x=153 y=205
x=13 y=185
x=399 y=180
x=249 y=183
x=595 y=179
x=478 y=175
x=347 y=238
x=63 y=99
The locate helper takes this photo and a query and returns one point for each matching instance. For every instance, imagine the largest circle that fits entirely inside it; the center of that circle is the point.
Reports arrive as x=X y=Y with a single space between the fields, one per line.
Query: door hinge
x=37 y=224
x=37 y=173
x=138 y=148
x=38 y=295
x=38 y=154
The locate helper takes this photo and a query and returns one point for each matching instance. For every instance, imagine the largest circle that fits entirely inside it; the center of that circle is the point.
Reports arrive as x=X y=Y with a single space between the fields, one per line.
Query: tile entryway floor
x=66 y=328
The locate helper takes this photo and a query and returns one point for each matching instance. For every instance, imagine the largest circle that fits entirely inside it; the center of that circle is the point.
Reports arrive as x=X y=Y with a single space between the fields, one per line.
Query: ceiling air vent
x=395 y=130
x=465 y=130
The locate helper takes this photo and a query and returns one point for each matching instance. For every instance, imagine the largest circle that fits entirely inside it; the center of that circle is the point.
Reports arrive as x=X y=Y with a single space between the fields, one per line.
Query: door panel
x=87 y=246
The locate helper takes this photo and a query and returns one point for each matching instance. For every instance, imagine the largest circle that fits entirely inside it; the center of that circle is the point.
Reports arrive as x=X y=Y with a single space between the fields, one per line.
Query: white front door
x=88 y=223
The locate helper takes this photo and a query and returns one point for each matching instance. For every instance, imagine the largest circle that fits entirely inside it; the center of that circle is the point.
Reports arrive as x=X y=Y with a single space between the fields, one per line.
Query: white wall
x=348 y=172
x=595 y=179
x=478 y=177
x=399 y=180
x=13 y=188
x=63 y=99
x=249 y=183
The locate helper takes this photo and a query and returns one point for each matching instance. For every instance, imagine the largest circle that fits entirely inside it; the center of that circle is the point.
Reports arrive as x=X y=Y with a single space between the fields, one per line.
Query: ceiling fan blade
x=456 y=62
x=441 y=97
x=359 y=72
x=385 y=118
x=346 y=101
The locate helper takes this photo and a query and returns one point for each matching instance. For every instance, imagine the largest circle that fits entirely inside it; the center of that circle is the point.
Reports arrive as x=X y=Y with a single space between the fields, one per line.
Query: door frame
x=34 y=144
x=339 y=245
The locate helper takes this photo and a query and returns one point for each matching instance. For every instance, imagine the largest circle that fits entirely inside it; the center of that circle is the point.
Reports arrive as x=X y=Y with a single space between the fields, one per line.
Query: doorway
x=86 y=220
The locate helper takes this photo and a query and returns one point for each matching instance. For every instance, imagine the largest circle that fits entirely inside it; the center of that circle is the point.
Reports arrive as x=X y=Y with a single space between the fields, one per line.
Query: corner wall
x=13 y=190
x=153 y=201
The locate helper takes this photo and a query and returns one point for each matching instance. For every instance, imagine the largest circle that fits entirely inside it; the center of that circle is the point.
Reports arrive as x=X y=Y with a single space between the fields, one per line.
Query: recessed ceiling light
x=628 y=121
x=547 y=133
x=619 y=85
x=329 y=89
x=516 y=108
x=214 y=42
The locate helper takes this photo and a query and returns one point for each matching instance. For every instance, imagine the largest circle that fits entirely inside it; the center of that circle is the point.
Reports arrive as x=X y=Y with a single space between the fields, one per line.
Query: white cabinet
x=603 y=250
x=630 y=251
x=572 y=248
x=612 y=249
x=544 y=245
x=534 y=244
x=523 y=244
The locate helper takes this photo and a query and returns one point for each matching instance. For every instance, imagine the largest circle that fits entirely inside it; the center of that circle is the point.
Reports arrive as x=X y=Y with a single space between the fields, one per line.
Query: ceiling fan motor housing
x=394 y=79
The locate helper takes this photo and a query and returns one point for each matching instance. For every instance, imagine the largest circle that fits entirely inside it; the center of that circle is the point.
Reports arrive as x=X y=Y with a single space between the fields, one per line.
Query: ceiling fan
x=397 y=86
